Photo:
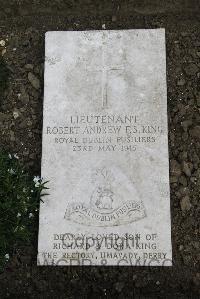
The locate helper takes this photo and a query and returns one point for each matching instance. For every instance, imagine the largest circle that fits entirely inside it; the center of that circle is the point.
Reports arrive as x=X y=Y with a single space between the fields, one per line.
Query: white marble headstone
x=105 y=150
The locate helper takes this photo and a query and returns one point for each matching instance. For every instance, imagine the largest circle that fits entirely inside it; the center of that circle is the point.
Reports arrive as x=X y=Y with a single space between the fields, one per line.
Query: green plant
x=19 y=203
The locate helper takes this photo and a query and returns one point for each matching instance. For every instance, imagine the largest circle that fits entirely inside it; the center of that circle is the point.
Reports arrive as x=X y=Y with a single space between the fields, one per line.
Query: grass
x=20 y=196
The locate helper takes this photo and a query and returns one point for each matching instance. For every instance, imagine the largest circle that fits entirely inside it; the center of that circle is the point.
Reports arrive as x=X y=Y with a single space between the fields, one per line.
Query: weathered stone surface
x=105 y=149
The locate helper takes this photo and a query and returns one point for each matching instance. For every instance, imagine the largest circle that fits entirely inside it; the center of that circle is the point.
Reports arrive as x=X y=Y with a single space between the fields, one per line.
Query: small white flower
x=16 y=157
x=24 y=190
x=36 y=180
x=30 y=215
x=10 y=156
x=31 y=191
x=11 y=171
x=7 y=256
x=19 y=215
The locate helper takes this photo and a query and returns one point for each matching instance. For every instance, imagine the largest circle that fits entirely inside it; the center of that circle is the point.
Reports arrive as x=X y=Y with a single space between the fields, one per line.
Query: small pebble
x=195 y=132
x=186 y=168
x=183 y=181
x=3 y=52
x=185 y=203
x=34 y=80
x=175 y=168
x=114 y=18
x=28 y=66
x=15 y=114
x=181 y=82
x=181 y=247
x=191 y=69
x=2 y=43
x=158 y=283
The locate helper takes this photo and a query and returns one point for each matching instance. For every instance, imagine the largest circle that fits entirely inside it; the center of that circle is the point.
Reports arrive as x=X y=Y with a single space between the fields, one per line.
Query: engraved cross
x=105 y=69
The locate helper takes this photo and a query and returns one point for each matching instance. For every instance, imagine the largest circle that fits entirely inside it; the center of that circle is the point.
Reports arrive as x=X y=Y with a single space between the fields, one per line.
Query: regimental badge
x=112 y=202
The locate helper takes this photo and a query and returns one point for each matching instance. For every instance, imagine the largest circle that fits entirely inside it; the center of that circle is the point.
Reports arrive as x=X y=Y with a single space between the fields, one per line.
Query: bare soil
x=23 y=25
